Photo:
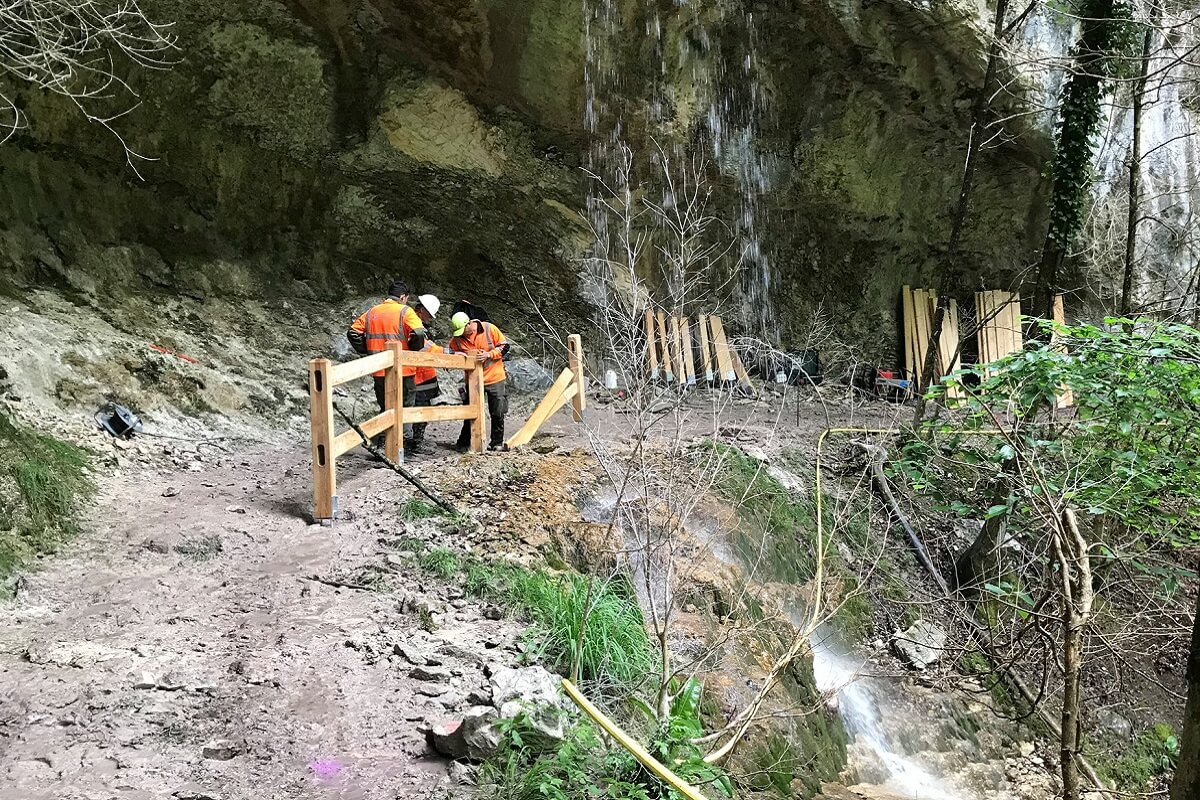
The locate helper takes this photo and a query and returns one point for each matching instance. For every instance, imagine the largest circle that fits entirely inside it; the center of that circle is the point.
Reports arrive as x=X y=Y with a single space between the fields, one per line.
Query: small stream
x=887 y=765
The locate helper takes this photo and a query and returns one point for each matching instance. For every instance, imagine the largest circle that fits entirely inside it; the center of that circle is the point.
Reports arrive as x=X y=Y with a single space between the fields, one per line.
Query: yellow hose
x=638 y=752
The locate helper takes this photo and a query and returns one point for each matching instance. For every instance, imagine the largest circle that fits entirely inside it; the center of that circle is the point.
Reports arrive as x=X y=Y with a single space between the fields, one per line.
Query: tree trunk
x=1186 y=785
x=1135 y=162
x=948 y=279
x=1074 y=561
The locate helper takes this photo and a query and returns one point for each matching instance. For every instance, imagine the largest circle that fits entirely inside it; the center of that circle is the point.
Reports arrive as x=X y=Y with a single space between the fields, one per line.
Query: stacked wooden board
x=671 y=351
x=998 y=320
x=919 y=306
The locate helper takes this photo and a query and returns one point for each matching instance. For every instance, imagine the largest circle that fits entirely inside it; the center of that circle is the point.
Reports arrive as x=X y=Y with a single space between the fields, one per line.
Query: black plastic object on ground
x=119 y=421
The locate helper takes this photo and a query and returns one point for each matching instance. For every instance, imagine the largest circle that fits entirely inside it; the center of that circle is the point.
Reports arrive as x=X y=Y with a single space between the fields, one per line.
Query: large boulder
x=529 y=686
x=921 y=645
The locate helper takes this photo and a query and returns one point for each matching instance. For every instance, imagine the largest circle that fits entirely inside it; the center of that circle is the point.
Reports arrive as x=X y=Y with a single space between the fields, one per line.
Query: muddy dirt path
x=177 y=650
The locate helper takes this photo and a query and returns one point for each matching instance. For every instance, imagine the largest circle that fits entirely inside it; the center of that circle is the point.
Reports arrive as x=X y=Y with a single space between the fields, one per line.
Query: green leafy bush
x=1153 y=754
x=1127 y=453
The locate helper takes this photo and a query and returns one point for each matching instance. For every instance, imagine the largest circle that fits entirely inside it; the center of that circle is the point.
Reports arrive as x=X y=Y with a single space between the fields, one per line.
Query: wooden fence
x=328 y=444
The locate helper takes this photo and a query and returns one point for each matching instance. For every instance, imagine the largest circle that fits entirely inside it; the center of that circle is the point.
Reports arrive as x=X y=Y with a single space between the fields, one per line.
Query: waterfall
x=898 y=773
x=701 y=95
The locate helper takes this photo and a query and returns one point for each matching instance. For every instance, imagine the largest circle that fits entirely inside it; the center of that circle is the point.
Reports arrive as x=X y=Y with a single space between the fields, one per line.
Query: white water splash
x=860 y=714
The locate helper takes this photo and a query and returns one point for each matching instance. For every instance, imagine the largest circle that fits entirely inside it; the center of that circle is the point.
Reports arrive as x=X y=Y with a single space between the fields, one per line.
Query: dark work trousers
x=410 y=394
x=497 y=404
x=424 y=394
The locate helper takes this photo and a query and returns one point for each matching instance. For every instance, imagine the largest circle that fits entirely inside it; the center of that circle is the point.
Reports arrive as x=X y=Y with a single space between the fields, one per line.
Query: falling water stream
x=701 y=94
x=839 y=674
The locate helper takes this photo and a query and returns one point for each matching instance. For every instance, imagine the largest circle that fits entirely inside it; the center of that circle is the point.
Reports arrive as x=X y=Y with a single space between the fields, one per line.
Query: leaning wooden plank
x=721 y=348
x=320 y=398
x=951 y=345
x=980 y=334
x=651 y=348
x=348 y=440
x=1065 y=397
x=664 y=348
x=921 y=315
x=677 y=350
x=1017 y=343
x=740 y=370
x=528 y=431
x=705 y=357
x=685 y=336
x=908 y=313
x=549 y=404
x=341 y=373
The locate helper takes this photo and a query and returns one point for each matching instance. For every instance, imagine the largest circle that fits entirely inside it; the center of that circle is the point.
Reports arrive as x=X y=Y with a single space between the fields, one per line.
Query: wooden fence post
x=393 y=400
x=320 y=397
x=475 y=398
x=579 y=401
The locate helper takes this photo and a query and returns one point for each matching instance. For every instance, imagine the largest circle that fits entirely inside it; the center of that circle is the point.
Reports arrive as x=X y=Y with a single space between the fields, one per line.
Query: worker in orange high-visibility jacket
x=484 y=342
x=425 y=390
x=394 y=320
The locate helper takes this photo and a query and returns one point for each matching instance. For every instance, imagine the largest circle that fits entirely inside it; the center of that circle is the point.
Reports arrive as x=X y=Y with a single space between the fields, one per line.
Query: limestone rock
x=1112 y=722
x=921 y=645
x=531 y=686
x=446 y=736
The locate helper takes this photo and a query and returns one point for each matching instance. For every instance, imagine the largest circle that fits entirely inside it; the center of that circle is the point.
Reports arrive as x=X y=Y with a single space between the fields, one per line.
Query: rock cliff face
x=316 y=148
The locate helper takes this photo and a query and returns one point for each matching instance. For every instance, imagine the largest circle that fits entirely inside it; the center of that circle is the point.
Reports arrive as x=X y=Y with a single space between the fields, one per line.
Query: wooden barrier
x=920 y=306
x=568 y=387
x=671 y=351
x=328 y=444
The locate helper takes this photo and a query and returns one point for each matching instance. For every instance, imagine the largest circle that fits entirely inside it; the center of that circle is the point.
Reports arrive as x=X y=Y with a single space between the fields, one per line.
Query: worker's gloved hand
x=481 y=356
x=416 y=339
x=358 y=341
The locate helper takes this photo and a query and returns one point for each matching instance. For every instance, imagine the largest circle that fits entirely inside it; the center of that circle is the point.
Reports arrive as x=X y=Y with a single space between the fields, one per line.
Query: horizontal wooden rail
x=438 y=413
x=438 y=360
x=344 y=373
x=346 y=441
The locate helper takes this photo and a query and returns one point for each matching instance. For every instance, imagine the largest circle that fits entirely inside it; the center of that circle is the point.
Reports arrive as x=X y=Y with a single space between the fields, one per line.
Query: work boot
x=420 y=447
x=498 y=446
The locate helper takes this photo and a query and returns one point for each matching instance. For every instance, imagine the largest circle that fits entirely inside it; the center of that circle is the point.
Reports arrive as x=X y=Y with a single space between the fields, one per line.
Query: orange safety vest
x=425 y=374
x=389 y=321
x=487 y=340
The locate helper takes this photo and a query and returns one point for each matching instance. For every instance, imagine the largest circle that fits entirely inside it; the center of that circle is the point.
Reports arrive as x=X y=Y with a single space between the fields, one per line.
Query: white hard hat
x=430 y=304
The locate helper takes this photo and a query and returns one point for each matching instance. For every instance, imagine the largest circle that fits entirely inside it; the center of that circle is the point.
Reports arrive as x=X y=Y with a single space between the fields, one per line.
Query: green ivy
x=1106 y=50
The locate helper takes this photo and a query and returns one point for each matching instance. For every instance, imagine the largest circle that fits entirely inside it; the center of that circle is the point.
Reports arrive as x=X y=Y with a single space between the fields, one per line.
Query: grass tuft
x=440 y=562
x=41 y=481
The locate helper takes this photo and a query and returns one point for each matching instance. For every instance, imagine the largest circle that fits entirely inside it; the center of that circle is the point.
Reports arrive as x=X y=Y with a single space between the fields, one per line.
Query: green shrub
x=42 y=480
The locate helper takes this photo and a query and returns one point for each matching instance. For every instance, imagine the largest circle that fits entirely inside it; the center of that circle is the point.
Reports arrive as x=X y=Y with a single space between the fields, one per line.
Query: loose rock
x=921 y=645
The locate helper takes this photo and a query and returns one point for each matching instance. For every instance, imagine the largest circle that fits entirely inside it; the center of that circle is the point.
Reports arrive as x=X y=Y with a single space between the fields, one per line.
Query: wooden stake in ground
x=1065 y=398
x=909 y=327
x=575 y=351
